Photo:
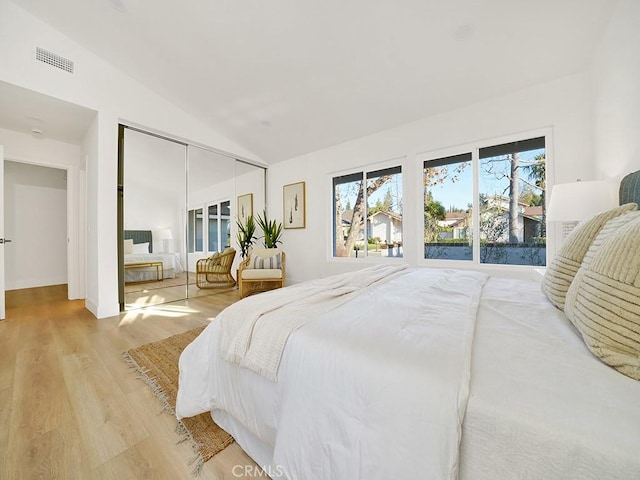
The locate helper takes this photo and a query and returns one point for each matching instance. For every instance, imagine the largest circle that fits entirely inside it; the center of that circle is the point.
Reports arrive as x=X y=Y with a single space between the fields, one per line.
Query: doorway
x=35 y=220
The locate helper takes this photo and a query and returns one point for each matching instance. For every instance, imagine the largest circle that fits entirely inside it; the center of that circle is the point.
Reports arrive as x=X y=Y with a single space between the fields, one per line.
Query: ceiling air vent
x=54 y=60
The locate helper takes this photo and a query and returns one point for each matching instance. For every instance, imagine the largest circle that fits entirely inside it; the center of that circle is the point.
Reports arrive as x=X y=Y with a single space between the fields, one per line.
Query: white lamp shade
x=577 y=201
x=165 y=234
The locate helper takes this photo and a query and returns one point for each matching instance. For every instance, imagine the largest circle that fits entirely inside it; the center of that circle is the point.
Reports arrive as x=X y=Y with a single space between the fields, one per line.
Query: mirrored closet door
x=154 y=180
x=178 y=206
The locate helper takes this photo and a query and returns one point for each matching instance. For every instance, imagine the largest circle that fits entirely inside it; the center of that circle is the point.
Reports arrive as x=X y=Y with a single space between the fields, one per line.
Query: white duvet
x=376 y=388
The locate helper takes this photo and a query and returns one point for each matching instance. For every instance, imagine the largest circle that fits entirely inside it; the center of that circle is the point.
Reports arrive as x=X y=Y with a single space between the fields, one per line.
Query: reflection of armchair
x=263 y=269
x=215 y=271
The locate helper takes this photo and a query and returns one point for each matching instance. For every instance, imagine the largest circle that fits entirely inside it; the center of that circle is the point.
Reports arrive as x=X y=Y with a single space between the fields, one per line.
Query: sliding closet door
x=210 y=196
x=154 y=204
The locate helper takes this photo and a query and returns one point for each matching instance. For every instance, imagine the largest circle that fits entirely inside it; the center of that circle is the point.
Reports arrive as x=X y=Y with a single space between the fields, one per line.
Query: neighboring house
x=457 y=222
x=387 y=226
x=529 y=219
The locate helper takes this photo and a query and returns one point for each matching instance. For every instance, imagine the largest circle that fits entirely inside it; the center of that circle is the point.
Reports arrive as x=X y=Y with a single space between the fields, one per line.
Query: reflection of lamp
x=165 y=235
x=577 y=201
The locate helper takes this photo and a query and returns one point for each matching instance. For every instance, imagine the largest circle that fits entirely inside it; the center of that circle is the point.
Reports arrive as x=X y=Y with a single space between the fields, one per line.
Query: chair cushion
x=261 y=274
x=259 y=262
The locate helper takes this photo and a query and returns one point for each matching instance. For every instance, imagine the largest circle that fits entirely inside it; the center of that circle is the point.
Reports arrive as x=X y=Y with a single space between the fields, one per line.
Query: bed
x=142 y=264
x=397 y=372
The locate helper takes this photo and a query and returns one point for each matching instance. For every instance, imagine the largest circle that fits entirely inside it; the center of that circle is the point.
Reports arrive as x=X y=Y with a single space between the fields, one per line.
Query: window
x=509 y=199
x=448 y=203
x=380 y=203
x=195 y=231
x=219 y=226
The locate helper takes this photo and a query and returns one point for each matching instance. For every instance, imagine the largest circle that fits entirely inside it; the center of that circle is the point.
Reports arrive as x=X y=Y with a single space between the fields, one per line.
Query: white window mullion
x=475 y=160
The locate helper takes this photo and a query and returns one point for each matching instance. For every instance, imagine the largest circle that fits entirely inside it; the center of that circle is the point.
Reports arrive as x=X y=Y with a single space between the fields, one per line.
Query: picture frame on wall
x=245 y=207
x=294 y=204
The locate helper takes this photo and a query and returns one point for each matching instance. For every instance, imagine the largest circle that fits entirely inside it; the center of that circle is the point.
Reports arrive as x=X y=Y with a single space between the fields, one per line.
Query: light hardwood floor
x=70 y=408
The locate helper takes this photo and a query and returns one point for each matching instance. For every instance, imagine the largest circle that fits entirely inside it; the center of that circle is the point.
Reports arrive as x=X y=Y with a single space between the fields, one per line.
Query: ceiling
x=287 y=77
x=26 y=111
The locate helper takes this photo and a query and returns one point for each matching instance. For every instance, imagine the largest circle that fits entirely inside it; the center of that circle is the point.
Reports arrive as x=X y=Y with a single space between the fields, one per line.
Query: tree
x=513 y=198
x=537 y=172
x=344 y=245
x=387 y=204
x=434 y=211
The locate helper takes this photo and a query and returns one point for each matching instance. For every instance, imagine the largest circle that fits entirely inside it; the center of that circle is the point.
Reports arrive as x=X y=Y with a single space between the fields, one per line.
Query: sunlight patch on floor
x=142 y=309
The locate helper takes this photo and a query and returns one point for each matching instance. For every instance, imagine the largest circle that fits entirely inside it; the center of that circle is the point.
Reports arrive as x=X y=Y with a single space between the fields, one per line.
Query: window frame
x=219 y=218
x=392 y=164
x=192 y=237
x=552 y=239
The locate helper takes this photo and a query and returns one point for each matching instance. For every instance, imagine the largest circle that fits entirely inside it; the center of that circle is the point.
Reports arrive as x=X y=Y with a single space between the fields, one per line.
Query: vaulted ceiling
x=286 y=77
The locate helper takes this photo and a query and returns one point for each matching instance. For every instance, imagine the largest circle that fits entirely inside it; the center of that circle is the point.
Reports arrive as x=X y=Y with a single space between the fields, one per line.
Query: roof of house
x=395 y=216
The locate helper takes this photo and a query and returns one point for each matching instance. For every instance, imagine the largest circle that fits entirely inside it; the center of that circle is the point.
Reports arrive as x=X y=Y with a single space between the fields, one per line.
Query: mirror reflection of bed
x=178 y=206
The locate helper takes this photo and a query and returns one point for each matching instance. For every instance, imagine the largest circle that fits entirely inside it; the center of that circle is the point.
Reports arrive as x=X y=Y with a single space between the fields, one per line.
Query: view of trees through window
x=510 y=198
x=380 y=203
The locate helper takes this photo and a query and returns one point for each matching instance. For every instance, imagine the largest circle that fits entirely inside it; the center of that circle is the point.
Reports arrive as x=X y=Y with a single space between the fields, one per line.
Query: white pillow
x=128 y=246
x=140 y=248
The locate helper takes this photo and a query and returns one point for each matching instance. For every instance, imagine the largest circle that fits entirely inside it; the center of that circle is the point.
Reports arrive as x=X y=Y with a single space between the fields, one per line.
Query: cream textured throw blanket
x=255 y=330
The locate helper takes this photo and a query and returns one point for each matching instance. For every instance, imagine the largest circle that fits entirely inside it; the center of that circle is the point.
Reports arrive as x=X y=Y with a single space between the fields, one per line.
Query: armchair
x=215 y=271
x=264 y=269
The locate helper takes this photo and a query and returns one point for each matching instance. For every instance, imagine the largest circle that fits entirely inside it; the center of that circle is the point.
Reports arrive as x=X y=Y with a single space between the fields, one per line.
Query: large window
x=219 y=226
x=367 y=212
x=507 y=203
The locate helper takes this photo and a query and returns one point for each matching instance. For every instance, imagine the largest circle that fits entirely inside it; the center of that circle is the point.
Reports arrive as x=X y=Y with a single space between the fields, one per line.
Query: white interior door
x=2 y=242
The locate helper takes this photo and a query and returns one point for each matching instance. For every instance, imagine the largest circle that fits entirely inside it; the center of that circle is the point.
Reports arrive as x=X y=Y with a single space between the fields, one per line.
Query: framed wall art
x=245 y=207
x=294 y=205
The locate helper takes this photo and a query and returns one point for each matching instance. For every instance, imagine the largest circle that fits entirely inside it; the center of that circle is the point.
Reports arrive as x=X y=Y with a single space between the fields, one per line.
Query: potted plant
x=271 y=230
x=246 y=235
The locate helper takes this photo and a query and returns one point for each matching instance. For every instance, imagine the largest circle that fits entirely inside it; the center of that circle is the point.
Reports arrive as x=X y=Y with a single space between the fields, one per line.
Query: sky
x=462 y=194
x=458 y=197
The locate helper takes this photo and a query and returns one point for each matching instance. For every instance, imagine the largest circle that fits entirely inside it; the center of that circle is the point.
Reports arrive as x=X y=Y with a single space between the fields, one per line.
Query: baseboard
x=91 y=306
x=34 y=283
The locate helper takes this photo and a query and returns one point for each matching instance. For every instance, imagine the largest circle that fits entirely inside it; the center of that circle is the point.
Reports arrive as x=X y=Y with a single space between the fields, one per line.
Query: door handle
x=4 y=240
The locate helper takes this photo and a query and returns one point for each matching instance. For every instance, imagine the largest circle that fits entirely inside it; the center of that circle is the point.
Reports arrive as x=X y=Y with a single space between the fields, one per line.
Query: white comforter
x=376 y=388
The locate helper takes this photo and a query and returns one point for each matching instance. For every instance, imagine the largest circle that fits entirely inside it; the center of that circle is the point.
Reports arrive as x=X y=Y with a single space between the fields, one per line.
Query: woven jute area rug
x=157 y=365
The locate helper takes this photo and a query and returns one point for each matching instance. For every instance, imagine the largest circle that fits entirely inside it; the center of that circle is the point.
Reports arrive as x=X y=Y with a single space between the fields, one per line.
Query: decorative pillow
x=562 y=270
x=140 y=248
x=603 y=300
x=273 y=262
x=128 y=246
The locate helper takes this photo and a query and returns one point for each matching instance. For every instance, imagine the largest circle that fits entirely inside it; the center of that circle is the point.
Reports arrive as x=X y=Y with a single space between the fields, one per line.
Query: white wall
x=36 y=222
x=615 y=74
x=117 y=98
x=154 y=187
x=562 y=106
x=23 y=148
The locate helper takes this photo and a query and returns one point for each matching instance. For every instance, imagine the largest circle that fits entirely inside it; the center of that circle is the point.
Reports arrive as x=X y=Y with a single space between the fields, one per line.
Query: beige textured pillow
x=604 y=299
x=562 y=270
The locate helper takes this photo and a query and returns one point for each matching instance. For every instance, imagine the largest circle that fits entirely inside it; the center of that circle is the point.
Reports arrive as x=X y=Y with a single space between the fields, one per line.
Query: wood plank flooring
x=69 y=407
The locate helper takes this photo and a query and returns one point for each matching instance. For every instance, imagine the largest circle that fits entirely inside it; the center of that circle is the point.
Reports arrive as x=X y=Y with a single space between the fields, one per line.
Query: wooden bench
x=159 y=267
